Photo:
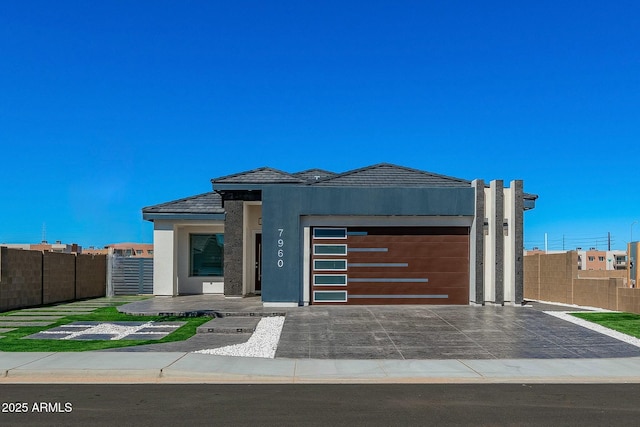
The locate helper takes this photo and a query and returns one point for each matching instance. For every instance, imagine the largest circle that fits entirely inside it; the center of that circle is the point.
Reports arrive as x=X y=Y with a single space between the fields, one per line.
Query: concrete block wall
x=629 y=300
x=20 y=278
x=615 y=284
x=91 y=276
x=596 y=293
x=532 y=277
x=602 y=274
x=33 y=278
x=556 y=278
x=58 y=278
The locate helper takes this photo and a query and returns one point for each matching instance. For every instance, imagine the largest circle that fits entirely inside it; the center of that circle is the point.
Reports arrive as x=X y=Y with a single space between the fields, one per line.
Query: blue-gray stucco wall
x=283 y=205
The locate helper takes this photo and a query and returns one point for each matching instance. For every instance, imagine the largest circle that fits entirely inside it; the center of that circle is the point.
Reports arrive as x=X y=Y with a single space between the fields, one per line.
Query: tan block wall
x=532 y=277
x=629 y=300
x=554 y=276
x=91 y=276
x=602 y=273
x=58 y=280
x=20 y=278
x=32 y=278
x=596 y=293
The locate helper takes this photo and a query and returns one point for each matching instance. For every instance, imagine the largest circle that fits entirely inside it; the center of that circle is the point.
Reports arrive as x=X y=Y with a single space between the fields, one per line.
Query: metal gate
x=130 y=276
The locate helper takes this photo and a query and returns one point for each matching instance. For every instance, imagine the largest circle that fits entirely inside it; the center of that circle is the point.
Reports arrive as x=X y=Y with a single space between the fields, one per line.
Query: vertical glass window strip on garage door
x=329 y=265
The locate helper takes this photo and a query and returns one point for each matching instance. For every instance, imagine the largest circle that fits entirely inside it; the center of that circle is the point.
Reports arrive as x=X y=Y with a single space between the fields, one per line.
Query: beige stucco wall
x=171 y=258
x=196 y=284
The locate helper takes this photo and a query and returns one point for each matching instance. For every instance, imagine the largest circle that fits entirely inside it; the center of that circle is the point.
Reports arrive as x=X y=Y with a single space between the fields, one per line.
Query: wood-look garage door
x=390 y=265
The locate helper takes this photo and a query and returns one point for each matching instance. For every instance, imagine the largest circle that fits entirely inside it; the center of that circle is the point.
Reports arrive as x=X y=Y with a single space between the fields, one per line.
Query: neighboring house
x=382 y=234
x=45 y=246
x=139 y=250
x=633 y=275
x=593 y=259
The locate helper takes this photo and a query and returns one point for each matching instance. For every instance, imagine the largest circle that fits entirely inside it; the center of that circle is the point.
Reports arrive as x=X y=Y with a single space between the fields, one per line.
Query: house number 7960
x=280 y=248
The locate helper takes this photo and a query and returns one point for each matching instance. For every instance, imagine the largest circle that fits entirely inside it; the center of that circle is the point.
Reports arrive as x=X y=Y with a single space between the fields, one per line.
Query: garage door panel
x=365 y=240
x=409 y=265
x=392 y=266
x=407 y=249
x=452 y=296
x=400 y=288
x=432 y=277
x=408 y=231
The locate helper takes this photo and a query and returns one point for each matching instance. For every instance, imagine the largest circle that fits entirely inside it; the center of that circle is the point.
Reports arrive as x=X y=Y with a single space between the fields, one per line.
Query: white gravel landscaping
x=263 y=342
x=565 y=315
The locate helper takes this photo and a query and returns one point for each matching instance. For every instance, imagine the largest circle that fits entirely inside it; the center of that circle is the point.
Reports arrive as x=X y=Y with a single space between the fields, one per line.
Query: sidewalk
x=93 y=367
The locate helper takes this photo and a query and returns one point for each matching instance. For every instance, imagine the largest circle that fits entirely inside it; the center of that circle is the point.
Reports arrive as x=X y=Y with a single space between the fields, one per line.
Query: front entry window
x=207 y=254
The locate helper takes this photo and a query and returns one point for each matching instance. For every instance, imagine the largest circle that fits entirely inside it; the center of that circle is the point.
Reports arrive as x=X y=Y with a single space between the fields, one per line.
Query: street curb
x=190 y=368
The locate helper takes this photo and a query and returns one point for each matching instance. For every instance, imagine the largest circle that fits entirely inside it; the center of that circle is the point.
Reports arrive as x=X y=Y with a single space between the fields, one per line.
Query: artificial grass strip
x=14 y=340
x=627 y=323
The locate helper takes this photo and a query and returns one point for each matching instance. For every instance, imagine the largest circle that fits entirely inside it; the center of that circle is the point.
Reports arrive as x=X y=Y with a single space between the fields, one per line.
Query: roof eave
x=154 y=216
x=218 y=186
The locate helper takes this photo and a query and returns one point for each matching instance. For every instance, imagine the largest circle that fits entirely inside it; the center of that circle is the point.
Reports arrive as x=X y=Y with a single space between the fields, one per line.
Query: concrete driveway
x=440 y=332
x=399 y=332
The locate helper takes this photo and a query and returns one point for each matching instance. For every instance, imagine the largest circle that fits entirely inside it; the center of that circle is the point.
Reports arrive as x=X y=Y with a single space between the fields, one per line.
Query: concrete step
x=229 y=325
x=257 y=314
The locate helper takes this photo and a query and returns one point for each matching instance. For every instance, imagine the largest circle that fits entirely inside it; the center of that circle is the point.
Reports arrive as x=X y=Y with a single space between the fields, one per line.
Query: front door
x=258 y=264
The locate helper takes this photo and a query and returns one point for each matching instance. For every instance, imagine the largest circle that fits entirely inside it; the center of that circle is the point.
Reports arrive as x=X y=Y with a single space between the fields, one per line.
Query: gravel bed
x=263 y=343
x=565 y=315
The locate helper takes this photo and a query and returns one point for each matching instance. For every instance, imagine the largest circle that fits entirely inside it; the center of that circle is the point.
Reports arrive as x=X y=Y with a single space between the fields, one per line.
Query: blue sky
x=107 y=107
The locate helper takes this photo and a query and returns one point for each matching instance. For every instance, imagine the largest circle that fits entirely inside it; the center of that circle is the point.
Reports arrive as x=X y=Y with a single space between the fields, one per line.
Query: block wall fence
x=33 y=278
x=556 y=278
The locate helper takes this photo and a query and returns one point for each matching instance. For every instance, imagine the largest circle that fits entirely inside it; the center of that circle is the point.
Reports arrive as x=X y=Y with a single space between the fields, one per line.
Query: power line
x=572 y=242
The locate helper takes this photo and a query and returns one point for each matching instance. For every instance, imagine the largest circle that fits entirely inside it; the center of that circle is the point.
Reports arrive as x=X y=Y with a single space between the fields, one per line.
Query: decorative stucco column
x=165 y=266
x=494 y=243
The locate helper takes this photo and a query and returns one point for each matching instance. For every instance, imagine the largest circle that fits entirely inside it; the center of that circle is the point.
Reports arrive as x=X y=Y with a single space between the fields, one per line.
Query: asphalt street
x=322 y=405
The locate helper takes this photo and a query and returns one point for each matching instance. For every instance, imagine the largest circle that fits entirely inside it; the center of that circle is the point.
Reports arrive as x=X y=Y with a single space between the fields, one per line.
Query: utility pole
x=609 y=241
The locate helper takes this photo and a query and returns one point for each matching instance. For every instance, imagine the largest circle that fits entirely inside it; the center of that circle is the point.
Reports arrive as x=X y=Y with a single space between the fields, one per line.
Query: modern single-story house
x=382 y=234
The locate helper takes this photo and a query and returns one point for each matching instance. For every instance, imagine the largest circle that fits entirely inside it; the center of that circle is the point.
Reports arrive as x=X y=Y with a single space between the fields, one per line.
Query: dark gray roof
x=207 y=203
x=310 y=175
x=263 y=175
x=389 y=175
